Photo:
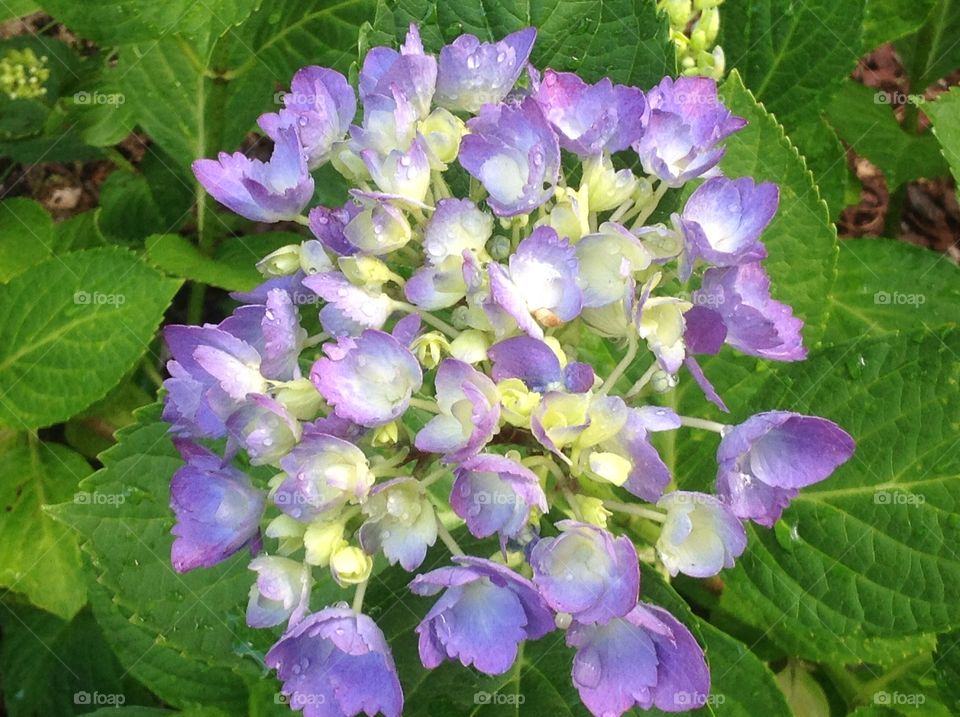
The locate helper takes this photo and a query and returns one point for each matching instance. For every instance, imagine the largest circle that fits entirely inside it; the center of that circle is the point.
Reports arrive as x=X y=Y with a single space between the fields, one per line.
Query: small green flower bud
x=386 y=435
x=322 y=539
x=470 y=346
x=442 y=132
x=282 y=262
x=288 y=532
x=301 y=398
x=350 y=566
x=429 y=348
x=661 y=381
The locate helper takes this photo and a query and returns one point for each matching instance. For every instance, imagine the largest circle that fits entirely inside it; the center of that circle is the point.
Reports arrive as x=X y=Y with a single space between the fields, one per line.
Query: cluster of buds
x=694 y=26
x=22 y=74
x=411 y=373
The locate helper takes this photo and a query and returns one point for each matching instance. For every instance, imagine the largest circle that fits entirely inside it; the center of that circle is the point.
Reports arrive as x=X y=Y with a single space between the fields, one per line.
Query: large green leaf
x=115 y=22
x=888 y=20
x=945 y=115
x=59 y=668
x=180 y=635
x=863 y=561
x=932 y=52
x=26 y=236
x=885 y=285
x=866 y=123
x=946 y=661
x=624 y=40
x=792 y=53
x=801 y=240
x=70 y=328
x=38 y=557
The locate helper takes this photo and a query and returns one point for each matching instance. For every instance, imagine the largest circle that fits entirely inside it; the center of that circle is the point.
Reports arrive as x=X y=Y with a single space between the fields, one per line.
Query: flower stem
x=424 y=405
x=621 y=367
x=447 y=539
x=651 y=205
x=639 y=511
x=358 y=596
x=434 y=477
x=703 y=423
x=427 y=318
x=643 y=381
x=300 y=219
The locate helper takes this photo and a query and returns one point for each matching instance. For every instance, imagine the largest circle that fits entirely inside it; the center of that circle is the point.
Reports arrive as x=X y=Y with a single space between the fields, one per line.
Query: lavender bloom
x=473 y=73
x=686 y=122
x=323 y=473
x=328 y=227
x=700 y=536
x=469 y=413
x=350 y=309
x=337 y=663
x=217 y=509
x=628 y=459
x=271 y=191
x=494 y=494
x=211 y=374
x=264 y=429
x=369 y=379
x=587 y=572
x=765 y=461
x=514 y=153
x=607 y=262
x=403 y=175
x=411 y=72
x=455 y=227
x=646 y=659
x=281 y=591
x=323 y=104
x=274 y=330
x=486 y=611
x=723 y=220
x=378 y=229
x=541 y=281
x=754 y=323
x=437 y=287
x=591 y=119
x=400 y=522
x=660 y=322
x=534 y=362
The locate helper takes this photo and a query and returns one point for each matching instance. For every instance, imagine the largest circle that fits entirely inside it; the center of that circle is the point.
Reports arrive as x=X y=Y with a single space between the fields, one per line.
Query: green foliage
x=864 y=120
x=58 y=328
x=38 y=557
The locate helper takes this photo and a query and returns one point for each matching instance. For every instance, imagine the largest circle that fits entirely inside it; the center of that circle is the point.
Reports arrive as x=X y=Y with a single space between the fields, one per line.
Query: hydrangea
x=472 y=343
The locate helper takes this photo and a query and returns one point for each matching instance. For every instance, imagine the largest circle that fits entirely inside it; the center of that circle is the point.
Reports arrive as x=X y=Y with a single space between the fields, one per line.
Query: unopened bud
x=429 y=348
x=442 y=131
x=282 y=262
x=321 y=539
x=517 y=402
x=301 y=398
x=288 y=532
x=350 y=566
x=470 y=346
x=498 y=247
x=661 y=381
x=366 y=271
x=607 y=188
x=386 y=435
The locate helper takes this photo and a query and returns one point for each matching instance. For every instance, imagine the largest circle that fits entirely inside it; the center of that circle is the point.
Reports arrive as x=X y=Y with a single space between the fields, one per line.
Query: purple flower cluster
x=412 y=368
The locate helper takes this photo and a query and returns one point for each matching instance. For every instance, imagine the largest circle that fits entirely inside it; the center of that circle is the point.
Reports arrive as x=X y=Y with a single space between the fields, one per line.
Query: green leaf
x=26 y=236
x=38 y=557
x=885 y=285
x=932 y=52
x=945 y=116
x=128 y=210
x=180 y=635
x=70 y=328
x=792 y=54
x=888 y=20
x=801 y=240
x=826 y=158
x=116 y=22
x=59 y=667
x=867 y=564
x=624 y=40
x=865 y=122
x=234 y=269
x=17 y=8
x=946 y=661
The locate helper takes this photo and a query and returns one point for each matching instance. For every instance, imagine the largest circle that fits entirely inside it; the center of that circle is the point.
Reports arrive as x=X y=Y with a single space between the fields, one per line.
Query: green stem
x=621 y=367
x=423 y=405
x=447 y=539
x=643 y=381
x=427 y=318
x=651 y=205
x=358 y=596
x=639 y=511
x=703 y=423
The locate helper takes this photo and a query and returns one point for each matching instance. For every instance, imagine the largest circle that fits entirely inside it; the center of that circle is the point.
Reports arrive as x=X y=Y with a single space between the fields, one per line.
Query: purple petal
x=473 y=73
